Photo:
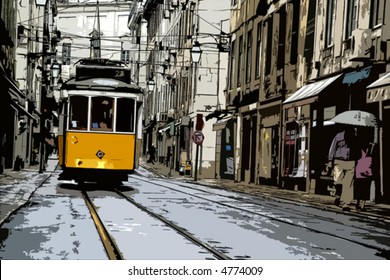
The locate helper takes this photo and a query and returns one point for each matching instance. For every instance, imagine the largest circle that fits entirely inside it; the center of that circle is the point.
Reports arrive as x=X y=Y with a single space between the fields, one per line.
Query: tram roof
x=105 y=84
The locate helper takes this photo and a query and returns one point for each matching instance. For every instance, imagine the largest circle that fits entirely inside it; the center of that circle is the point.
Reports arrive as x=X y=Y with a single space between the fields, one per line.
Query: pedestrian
x=152 y=154
x=341 y=159
x=363 y=176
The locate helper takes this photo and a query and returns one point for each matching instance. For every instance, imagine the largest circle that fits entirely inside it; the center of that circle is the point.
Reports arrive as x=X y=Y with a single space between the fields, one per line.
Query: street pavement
x=17 y=187
x=326 y=202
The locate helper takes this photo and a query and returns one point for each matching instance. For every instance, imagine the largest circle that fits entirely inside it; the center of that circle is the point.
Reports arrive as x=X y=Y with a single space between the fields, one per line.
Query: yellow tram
x=99 y=123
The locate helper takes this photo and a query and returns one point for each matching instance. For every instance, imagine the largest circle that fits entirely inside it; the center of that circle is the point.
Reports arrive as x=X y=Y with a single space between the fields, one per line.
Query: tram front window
x=78 y=113
x=125 y=115
x=102 y=113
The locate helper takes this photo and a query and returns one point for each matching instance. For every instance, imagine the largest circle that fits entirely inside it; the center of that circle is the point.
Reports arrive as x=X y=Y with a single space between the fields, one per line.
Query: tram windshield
x=78 y=119
x=104 y=113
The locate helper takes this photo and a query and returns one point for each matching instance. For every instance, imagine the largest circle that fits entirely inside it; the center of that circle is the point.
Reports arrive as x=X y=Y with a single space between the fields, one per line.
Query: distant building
x=185 y=91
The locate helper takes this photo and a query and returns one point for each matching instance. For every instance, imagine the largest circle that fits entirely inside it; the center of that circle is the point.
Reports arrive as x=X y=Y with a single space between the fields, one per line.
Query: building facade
x=293 y=67
x=185 y=90
x=26 y=30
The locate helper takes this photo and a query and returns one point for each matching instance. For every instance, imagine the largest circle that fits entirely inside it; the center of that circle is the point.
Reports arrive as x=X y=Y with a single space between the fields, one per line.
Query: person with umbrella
x=344 y=152
x=341 y=158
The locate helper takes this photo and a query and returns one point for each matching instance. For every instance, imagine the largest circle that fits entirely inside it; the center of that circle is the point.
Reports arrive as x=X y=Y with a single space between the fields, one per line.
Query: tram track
x=109 y=244
x=113 y=251
x=382 y=252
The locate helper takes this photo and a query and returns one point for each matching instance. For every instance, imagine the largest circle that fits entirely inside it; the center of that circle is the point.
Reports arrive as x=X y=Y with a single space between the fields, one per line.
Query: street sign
x=198 y=137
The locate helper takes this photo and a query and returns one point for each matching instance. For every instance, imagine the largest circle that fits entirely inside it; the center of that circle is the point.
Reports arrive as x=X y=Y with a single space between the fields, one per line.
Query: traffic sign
x=198 y=137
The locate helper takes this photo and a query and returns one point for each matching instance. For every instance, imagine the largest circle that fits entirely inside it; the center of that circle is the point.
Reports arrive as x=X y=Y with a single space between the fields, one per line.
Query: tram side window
x=125 y=115
x=102 y=113
x=78 y=113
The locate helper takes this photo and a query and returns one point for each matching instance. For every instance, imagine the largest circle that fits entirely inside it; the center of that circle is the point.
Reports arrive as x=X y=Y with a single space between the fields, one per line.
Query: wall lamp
x=150 y=83
x=196 y=52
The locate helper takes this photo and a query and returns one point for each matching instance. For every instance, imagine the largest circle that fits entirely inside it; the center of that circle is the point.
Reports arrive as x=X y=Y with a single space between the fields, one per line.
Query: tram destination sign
x=117 y=73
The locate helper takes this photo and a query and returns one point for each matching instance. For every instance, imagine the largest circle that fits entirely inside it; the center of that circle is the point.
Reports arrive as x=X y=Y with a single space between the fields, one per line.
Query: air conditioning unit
x=361 y=44
x=163 y=117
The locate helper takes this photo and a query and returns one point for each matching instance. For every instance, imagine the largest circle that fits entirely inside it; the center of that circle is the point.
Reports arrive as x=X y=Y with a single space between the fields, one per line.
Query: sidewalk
x=17 y=187
x=373 y=211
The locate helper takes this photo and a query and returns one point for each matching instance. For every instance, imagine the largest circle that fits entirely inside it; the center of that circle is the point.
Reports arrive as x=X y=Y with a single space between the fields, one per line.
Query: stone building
x=185 y=91
x=293 y=67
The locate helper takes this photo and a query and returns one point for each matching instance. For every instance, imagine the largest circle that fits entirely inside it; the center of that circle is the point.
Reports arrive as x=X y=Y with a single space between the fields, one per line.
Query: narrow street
x=150 y=217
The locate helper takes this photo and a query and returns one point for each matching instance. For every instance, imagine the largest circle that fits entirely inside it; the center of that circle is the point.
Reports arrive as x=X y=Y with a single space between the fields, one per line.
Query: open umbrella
x=357 y=118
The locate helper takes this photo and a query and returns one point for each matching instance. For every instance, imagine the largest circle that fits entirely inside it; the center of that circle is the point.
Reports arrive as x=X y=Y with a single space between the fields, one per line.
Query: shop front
x=378 y=94
x=302 y=122
x=269 y=131
x=224 y=149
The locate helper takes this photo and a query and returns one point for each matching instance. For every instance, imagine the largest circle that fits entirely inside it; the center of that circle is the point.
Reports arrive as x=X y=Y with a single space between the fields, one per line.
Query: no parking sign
x=198 y=137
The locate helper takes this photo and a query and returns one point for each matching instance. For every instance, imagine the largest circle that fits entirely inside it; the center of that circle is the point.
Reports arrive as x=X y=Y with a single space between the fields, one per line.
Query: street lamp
x=196 y=52
x=55 y=70
x=150 y=83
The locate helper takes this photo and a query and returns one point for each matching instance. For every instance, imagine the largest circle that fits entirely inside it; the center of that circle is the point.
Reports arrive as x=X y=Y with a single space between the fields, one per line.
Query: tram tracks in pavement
x=113 y=251
x=109 y=244
x=381 y=251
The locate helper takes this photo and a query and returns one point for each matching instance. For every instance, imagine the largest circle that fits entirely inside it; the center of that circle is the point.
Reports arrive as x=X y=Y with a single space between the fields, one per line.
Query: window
x=330 y=19
x=248 y=57
x=282 y=38
x=78 y=112
x=240 y=68
x=232 y=63
x=351 y=21
x=102 y=113
x=125 y=51
x=66 y=53
x=258 y=51
x=295 y=32
x=125 y=56
x=268 y=57
x=378 y=8
x=125 y=116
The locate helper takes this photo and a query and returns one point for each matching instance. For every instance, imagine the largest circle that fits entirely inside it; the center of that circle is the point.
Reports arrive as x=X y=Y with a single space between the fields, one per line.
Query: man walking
x=152 y=154
x=342 y=158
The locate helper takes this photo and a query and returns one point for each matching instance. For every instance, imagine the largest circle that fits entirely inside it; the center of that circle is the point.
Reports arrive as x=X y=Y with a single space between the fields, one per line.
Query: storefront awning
x=164 y=129
x=221 y=124
x=21 y=109
x=309 y=91
x=379 y=90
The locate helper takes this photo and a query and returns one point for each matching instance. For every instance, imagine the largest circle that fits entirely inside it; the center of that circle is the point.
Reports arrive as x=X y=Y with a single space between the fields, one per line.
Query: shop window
x=78 y=112
x=125 y=117
x=290 y=149
x=102 y=113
